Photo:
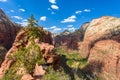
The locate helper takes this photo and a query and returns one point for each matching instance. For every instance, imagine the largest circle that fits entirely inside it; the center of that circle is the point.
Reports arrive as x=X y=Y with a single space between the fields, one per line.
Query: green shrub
x=55 y=75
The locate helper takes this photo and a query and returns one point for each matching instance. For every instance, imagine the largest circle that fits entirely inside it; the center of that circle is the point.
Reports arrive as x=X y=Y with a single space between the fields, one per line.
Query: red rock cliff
x=8 y=30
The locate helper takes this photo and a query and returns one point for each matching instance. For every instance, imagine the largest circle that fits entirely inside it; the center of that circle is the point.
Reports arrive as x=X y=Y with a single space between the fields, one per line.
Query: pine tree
x=32 y=22
x=32 y=28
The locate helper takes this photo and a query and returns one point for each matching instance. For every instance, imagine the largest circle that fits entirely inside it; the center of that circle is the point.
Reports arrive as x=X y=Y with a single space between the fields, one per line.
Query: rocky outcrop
x=101 y=46
x=37 y=53
x=100 y=29
x=104 y=59
x=8 y=30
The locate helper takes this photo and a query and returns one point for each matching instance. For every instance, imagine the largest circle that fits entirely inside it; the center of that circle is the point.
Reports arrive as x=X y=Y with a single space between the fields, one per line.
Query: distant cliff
x=8 y=30
x=69 y=40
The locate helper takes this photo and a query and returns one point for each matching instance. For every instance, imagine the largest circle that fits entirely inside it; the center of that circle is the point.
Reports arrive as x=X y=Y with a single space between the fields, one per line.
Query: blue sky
x=59 y=15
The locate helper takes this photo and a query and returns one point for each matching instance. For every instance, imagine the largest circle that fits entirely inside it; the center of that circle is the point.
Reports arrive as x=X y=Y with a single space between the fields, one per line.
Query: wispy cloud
x=71 y=28
x=52 y=1
x=69 y=19
x=43 y=18
x=54 y=7
x=87 y=10
x=52 y=27
x=12 y=11
x=55 y=29
x=17 y=17
x=24 y=22
x=3 y=0
x=52 y=12
x=46 y=28
x=22 y=10
x=78 y=12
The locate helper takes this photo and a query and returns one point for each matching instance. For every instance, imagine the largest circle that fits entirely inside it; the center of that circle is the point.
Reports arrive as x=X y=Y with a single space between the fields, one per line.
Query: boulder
x=104 y=59
x=99 y=29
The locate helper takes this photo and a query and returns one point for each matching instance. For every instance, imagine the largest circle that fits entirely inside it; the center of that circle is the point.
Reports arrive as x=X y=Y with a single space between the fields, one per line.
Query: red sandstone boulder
x=104 y=59
x=99 y=29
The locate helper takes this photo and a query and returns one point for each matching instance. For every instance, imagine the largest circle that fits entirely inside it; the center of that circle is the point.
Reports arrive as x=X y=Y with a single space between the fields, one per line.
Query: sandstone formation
x=99 y=29
x=32 y=46
x=101 y=46
x=104 y=59
x=8 y=30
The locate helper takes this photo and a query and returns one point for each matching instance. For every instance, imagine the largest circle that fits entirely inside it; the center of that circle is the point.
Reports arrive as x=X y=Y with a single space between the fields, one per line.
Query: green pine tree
x=32 y=28
x=32 y=22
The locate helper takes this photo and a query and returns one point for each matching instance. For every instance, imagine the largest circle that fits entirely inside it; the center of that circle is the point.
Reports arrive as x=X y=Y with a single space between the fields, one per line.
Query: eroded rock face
x=8 y=30
x=104 y=59
x=99 y=29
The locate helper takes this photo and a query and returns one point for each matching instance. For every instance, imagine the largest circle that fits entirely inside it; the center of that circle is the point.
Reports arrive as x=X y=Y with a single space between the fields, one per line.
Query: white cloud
x=43 y=18
x=24 y=22
x=52 y=1
x=54 y=7
x=78 y=12
x=22 y=10
x=52 y=12
x=71 y=29
x=87 y=10
x=54 y=29
x=3 y=0
x=69 y=19
x=12 y=11
x=17 y=17
x=46 y=28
